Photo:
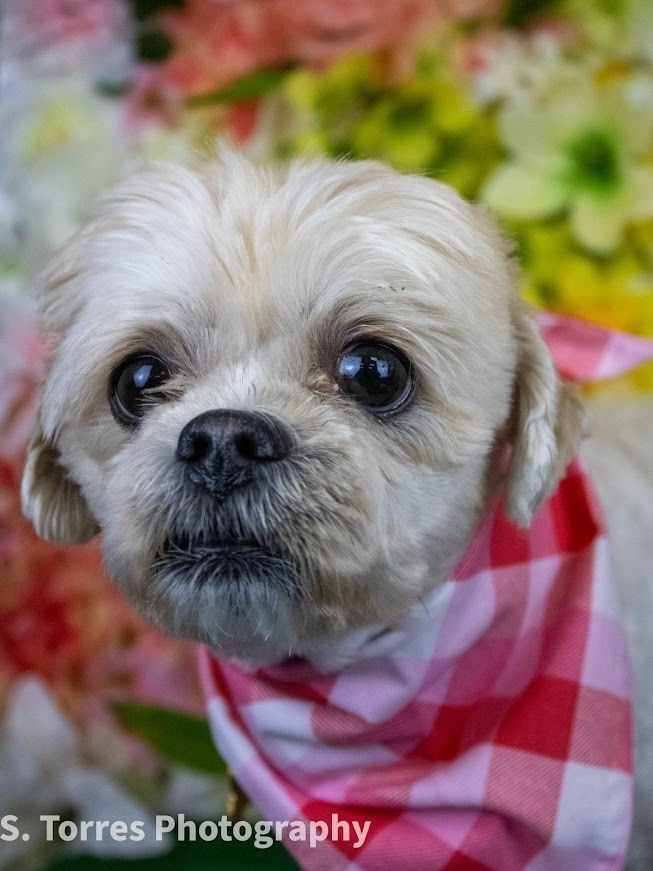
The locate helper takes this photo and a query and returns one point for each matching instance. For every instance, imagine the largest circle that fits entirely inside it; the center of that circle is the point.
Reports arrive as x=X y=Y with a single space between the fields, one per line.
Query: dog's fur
x=249 y=282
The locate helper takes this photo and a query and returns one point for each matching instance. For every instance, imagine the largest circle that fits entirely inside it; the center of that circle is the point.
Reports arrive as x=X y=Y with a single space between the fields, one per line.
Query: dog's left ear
x=547 y=425
x=51 y=499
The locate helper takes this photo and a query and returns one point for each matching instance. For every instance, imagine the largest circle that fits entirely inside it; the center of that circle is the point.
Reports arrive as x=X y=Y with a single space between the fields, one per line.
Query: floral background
x=543 y=110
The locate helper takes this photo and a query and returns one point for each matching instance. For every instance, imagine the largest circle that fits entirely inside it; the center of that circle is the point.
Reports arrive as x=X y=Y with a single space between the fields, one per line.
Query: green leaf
x=178 y=737
x=517 y=13
x=192 y=856
x=153 y=45
x=142 y=9
x=249 y=87
x=106 y=88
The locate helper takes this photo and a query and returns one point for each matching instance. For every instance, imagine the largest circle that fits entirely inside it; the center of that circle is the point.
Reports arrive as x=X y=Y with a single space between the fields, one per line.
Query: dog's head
x=282 y=396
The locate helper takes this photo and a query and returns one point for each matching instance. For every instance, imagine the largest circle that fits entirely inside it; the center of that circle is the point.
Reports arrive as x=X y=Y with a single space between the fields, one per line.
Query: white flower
x=63 y=146
x=581 y=148
x=42 y=772
x=515 y=65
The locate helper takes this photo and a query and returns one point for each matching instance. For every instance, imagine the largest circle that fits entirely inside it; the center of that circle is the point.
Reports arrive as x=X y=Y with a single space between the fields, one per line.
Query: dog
x=286 y=398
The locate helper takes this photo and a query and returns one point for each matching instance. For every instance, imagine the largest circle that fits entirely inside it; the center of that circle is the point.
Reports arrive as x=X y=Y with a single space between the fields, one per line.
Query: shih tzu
x=286 y=398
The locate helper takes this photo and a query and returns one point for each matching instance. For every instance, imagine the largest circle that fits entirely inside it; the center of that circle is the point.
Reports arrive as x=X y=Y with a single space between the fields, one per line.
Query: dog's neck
x=376 y=640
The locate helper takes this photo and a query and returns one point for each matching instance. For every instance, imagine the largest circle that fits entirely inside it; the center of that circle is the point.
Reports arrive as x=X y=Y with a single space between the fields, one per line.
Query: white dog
x=287 y=398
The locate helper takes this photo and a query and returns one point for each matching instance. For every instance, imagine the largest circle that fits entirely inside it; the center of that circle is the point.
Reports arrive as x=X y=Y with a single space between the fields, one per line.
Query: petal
x=517 y=192
x=632 y=112
x=96 y=797
x=36 y=732
x=640 y=206
x=196 y=795
x=527 y=134
x=598 y=223
x=537 y=133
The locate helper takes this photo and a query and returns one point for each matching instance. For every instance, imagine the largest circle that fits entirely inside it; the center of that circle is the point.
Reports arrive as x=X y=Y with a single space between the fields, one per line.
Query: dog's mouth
x=202 y=561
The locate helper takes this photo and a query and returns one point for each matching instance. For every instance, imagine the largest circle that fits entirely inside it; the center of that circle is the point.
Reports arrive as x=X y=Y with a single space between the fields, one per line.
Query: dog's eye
x=378 y=376
x=131 y=383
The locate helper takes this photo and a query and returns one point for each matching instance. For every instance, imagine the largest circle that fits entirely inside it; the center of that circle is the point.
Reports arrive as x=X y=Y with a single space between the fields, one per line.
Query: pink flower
x=62 y=618
x=152 y=99
x=22 y=361
x=58 y=21
x=56 y=607
x=216 y=42
x=468 y=9
x=321 y=30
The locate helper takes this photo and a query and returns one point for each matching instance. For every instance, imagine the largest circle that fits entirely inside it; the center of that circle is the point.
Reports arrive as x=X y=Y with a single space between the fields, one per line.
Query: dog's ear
x=547 y=423
x=51 y=499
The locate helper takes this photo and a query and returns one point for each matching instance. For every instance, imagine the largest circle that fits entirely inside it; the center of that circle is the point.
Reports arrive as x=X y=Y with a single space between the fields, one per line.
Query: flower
x=43 y=771
x=580 y=148
x=64 y=146
x=62 y=618
x=85 y=37
x=615 y=291
x=150 y=101
x=329 y=28
x=502 y=64
x=401 y=129
x=617 y=294
x=426 y=122
x=215 y=43
x=54 y=21
x=638 y=41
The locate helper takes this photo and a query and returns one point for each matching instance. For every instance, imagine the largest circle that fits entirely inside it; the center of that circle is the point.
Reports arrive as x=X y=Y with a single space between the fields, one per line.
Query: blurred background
x=543 y=110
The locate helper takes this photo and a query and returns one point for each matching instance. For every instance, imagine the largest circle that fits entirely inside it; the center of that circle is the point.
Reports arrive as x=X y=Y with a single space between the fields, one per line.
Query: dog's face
x=281 y=396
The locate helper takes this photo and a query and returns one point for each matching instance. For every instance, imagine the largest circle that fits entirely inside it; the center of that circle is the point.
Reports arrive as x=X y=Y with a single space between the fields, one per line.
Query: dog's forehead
x=244 y=256
x=257 y=252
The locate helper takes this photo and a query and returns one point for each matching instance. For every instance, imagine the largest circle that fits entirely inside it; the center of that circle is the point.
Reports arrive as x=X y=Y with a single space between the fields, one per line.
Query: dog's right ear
x=547 y=427
x=51 y=499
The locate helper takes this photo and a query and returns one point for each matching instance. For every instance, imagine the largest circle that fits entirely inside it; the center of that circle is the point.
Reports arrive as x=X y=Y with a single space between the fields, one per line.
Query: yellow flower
x=402 y=129
x=428 y=123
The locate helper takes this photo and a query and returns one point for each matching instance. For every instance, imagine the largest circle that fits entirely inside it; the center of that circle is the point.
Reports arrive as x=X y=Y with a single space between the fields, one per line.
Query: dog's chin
x=238 y=598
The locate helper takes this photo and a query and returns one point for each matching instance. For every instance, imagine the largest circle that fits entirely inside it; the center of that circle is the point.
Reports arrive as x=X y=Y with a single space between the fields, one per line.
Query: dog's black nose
x=223 y=447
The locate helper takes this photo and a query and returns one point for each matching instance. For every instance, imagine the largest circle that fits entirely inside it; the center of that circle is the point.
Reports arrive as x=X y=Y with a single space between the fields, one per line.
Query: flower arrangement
x=543 y=111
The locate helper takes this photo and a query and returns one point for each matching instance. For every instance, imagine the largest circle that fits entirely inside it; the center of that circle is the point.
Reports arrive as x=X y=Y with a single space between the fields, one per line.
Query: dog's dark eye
x=131 y=384
x=377 y=376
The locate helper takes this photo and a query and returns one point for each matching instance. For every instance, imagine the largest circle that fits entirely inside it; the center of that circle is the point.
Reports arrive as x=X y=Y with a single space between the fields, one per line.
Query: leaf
x=248 y=87
x=106 y=88
x=178 y=737
x=153 y=45
x=192 y=856
x=517 y=13
x=142 y=9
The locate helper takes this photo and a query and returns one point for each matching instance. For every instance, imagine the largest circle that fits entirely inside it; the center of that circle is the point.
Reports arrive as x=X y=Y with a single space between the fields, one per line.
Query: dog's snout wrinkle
x=222 y=448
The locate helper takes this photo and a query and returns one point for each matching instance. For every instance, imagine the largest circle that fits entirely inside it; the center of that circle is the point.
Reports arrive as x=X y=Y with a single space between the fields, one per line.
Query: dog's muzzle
x=222 y=451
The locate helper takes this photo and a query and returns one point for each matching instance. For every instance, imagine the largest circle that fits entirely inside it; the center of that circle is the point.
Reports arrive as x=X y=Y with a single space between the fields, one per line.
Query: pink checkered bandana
x=492 y=731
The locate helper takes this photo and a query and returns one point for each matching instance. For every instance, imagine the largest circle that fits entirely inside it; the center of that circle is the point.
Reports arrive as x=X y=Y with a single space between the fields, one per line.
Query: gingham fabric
x=492 y=731
x=588 y=352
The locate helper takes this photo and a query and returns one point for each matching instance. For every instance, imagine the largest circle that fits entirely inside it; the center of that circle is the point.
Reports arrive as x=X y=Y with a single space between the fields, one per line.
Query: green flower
x=582 y=149
x=428 y=123
x=401 y=128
